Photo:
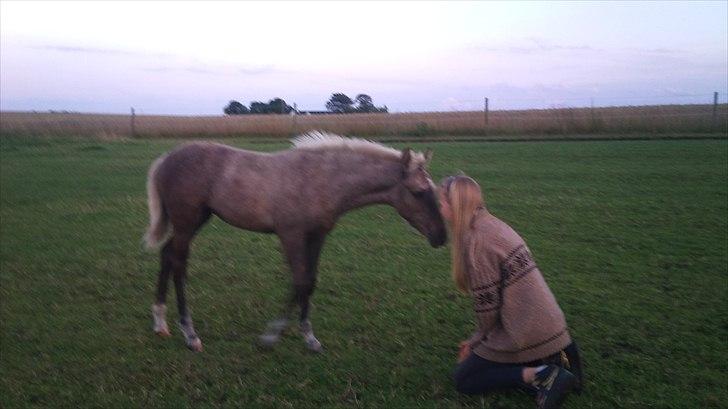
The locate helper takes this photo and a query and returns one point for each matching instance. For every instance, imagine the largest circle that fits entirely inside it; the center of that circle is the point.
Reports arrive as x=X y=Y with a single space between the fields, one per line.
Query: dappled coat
x=519 y=319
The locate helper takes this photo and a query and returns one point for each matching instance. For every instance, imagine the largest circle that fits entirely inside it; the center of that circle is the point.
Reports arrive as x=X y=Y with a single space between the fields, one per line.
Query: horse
x=297 y=194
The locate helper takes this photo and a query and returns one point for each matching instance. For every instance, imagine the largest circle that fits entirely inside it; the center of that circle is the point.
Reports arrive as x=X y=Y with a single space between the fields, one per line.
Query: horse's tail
x=158 y=231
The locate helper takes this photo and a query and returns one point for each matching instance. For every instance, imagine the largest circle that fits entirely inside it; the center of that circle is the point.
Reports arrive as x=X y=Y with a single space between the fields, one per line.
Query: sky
x=192 y=58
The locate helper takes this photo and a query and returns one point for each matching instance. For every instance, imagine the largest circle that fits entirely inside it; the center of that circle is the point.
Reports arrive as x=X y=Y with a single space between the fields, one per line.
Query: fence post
x=715 y=111
x=485 y=113
x=295 y=119
x=133 y=129
x=593 y=117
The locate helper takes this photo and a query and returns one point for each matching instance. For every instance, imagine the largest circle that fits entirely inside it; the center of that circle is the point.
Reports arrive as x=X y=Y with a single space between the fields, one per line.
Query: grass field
x=630 y=235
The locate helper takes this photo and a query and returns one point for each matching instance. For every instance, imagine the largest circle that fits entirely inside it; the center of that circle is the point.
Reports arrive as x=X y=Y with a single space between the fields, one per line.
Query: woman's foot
x=553 y=384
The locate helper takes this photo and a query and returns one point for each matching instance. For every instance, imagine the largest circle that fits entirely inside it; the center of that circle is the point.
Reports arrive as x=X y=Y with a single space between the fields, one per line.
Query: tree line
x=274 y=106
x=339 y=103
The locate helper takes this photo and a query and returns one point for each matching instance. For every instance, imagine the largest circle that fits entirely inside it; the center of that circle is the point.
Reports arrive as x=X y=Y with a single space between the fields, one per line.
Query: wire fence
x=501 y=102
x=594 y=116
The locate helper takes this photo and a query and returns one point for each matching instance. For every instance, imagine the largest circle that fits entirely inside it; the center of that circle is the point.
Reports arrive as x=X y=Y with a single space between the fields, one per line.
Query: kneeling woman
x=522 y=338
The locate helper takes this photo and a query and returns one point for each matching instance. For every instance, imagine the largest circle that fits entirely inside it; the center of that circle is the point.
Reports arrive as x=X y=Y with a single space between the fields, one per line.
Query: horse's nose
x=439 y=239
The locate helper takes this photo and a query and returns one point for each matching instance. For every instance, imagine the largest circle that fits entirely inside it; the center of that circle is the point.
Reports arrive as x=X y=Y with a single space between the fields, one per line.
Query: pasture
x=631 y=237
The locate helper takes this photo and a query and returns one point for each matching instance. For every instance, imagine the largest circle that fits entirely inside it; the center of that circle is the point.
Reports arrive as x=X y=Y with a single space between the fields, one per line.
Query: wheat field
x=650 y=119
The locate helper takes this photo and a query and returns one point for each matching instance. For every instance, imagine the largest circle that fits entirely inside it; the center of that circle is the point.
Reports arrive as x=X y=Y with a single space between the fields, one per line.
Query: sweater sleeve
x=485 y=284
x=475 y=338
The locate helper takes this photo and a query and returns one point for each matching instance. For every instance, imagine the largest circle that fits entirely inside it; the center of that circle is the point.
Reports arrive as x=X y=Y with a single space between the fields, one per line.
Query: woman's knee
x=463 y=382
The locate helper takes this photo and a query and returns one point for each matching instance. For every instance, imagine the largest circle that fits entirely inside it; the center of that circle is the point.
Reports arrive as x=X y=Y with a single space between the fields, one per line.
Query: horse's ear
x=406 y=157
x=428 y=155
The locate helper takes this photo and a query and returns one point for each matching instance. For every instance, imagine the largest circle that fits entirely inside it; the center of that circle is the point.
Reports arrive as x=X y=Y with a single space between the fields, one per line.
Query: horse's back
x=187 y=174
x=191 y=162
x=251 y=190
x=230 y=182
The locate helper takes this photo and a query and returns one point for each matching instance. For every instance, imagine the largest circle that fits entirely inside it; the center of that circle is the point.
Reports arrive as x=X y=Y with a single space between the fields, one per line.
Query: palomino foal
x=298 y=194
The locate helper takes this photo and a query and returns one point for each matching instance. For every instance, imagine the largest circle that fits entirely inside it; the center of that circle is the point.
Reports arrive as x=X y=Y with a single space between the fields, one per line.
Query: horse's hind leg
x=180 y=249
x=174 y=261
x=159 y=309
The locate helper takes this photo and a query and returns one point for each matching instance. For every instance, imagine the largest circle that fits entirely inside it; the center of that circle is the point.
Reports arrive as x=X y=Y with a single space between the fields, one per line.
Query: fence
x=557 y=118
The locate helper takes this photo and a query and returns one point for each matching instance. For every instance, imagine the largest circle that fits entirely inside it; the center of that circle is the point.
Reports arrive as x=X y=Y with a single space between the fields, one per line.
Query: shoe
x=572 y=361
x=553 y=384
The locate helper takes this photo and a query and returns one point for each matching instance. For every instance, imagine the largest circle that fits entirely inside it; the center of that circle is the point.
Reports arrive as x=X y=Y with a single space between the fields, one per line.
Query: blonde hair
x=465 y=199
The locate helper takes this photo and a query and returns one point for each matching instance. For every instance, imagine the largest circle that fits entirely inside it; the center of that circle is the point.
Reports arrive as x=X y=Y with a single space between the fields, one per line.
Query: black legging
x=476 y=375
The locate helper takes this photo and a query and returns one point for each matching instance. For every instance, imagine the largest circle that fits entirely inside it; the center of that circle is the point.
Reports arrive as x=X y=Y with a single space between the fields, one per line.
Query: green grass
x=630 y=235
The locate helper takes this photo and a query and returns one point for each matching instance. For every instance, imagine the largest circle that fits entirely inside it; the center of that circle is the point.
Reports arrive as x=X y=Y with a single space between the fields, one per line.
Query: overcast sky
x=192 y=58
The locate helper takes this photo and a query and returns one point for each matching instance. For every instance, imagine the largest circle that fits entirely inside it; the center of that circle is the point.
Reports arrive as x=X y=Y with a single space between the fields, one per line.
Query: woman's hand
x=464 y=350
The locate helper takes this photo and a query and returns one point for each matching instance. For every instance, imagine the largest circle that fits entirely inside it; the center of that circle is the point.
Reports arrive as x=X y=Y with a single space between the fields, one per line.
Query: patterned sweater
x=519 y=319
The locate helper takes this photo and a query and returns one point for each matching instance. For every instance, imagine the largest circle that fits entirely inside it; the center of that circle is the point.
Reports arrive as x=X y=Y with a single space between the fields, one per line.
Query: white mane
x=322 y=140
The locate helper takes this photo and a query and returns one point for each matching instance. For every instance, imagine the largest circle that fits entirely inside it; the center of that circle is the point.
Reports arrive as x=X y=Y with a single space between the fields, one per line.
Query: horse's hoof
x=268 y=340
x=160 y=323
x=195 y=345
x=163 y=333
x=314 y=345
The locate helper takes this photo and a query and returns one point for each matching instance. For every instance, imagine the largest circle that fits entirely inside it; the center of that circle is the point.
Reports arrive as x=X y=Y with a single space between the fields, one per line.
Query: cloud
x=534 y=46
x=95 y=50
x=204 y=69
x=263 y=69
x=174 y=63
x=657 y=50
x=382 y=80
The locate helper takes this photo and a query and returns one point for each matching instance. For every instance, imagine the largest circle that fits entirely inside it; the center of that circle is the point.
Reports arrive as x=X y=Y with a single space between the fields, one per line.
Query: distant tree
x=257 y=107
x=364 y=103
x=274 y=106
x=235 y=108
x=339 y=103
x=279 y=106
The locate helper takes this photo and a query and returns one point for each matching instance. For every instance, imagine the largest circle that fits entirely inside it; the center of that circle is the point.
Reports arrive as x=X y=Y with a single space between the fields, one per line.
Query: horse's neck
x=366 y=199
x=360 y=186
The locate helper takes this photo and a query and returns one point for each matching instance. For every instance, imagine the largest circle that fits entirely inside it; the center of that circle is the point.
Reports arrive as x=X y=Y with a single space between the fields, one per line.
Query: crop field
x=632 y=121
x=630 y=235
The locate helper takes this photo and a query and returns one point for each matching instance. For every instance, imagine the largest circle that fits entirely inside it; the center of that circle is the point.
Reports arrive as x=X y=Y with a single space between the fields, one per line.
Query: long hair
x=465 y=198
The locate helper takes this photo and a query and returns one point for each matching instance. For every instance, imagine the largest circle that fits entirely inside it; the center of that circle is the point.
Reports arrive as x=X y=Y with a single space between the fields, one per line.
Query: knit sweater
x=519 y=319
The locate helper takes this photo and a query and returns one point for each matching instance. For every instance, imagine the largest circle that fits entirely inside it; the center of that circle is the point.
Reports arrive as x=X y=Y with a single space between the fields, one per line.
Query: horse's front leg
x=302 y=251
x=303 y=293
x=299 y=296
x=314 y=243
x=275 y=328
x=294 y=249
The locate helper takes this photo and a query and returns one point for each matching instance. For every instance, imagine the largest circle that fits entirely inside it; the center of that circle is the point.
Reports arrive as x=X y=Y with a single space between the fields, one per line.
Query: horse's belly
x=245 y=218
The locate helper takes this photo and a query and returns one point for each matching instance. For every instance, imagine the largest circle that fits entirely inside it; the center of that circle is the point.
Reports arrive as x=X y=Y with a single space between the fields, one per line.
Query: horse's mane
x=318 y=140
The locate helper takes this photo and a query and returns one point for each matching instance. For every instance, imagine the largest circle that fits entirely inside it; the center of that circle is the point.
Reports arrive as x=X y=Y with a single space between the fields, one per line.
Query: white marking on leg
x=312 y=343
x=191 y=339
x=273 y=331
x=159 y=313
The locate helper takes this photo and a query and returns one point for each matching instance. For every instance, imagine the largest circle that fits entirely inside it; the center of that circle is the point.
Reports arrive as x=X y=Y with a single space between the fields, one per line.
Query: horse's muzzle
x=438 y=239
